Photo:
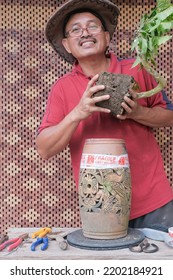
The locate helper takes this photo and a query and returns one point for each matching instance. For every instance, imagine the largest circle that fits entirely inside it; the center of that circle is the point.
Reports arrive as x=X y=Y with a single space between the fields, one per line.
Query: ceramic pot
x=104 y=189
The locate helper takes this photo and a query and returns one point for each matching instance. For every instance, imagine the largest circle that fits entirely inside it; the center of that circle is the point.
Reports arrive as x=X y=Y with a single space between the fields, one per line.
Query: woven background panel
x=36 y=192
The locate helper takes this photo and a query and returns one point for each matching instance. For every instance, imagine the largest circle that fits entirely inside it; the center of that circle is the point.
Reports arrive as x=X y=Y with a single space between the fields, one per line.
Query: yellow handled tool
x=42 y=232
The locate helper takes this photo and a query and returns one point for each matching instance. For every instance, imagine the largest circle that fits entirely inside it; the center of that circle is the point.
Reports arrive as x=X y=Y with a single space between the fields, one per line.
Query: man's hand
x=87 y=106
x=152 y=117
x=131 y=107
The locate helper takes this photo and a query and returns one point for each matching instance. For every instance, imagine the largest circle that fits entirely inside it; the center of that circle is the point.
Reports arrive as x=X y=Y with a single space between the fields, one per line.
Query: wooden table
x=72 y=253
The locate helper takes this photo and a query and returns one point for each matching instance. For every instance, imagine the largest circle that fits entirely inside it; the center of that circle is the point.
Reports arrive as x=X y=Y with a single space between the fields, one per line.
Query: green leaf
x=164 y=27
x=151 y=44
x=134 y=44
x=152 y=32
x=163 y=4
x=163 y=39
x=144 y=45
x=167 y=25
x=137 y=61
x=165 y=14
x=154 y=25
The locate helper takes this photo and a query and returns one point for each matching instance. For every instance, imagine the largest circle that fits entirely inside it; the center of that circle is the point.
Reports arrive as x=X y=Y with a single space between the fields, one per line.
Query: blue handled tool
x=39 y=241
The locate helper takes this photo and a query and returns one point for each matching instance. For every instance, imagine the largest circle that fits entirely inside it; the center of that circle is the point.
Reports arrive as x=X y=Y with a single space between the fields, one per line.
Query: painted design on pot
x=105 y=190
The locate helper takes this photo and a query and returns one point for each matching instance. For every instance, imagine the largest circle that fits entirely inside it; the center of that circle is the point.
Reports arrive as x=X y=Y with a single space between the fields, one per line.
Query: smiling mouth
x=87 y=42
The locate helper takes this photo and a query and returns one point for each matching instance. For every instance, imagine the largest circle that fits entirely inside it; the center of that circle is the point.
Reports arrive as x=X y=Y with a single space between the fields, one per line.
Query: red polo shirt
x=150 y=187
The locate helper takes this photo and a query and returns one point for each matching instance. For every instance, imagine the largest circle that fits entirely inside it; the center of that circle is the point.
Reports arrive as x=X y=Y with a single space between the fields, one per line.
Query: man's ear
x=66 y=45
x=107 y=38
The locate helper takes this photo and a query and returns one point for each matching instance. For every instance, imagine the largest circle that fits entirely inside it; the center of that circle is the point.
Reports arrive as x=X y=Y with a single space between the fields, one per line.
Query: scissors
x=145 y=247
x=13 y=243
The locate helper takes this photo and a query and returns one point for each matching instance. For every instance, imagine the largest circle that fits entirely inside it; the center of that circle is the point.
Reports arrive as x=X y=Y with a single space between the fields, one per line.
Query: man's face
x=86 y=44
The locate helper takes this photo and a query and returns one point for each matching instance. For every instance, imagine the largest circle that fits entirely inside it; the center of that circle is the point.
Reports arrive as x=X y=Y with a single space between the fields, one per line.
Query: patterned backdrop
x=36 y=192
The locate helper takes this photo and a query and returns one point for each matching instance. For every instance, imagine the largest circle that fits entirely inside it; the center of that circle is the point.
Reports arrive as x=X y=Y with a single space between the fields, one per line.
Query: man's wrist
x=74 y=116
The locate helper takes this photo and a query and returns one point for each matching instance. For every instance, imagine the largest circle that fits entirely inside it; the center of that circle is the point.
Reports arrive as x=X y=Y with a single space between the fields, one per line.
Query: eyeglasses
x=78 y=31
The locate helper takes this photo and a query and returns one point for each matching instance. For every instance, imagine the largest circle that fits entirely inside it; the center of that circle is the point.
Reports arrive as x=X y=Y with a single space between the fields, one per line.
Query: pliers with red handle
x=3 y=238
x=13 y=243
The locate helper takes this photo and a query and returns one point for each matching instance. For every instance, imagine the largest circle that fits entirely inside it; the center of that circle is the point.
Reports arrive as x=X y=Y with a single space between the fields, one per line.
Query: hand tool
x=39 y=241
x=41 y=232
x=3 y=238
x=158 y=235
x=14 y=242
x=145 y=247
x=59 y=237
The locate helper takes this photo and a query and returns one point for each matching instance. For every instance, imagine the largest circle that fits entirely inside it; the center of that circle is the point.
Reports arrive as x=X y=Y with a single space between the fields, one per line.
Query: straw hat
x=106 y=10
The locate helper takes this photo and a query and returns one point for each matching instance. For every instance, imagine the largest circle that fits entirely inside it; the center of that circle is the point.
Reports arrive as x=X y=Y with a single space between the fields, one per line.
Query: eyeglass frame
x=67 y=34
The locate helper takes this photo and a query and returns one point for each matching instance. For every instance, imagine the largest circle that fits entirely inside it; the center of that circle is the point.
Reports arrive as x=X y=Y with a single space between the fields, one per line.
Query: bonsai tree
x=150 y=35
x=152 y=32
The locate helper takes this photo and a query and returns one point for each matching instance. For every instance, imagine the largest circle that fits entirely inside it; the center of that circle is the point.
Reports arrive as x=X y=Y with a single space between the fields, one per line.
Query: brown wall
x=35 y=192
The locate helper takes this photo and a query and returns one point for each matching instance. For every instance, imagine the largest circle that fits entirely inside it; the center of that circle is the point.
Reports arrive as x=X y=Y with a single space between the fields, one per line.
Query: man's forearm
x=154 y=117
x=54 y=139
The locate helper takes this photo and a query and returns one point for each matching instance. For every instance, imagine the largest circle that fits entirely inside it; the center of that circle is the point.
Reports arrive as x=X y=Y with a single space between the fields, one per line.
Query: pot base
x=77 y=239
x=100 y=225
x=103 y=235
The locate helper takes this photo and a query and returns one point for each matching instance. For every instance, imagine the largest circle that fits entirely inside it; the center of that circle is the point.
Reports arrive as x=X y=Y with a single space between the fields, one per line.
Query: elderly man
x=80 y=31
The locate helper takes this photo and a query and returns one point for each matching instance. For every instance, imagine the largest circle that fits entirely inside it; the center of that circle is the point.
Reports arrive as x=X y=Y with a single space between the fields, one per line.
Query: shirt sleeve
x=54 y=109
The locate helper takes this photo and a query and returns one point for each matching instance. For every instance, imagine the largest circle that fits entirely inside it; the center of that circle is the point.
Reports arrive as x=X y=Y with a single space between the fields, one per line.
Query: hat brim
x=54 y=28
